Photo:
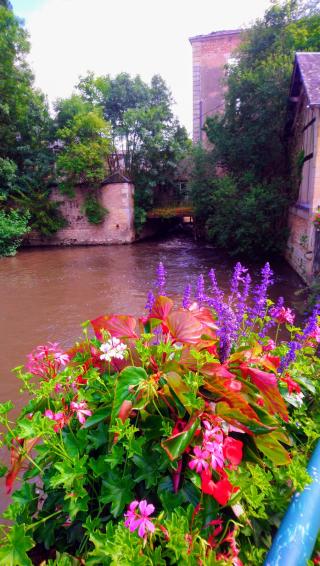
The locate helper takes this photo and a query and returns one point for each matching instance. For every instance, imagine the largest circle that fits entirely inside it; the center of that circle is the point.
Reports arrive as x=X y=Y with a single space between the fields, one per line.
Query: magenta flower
x=199 y=461
x=216 y=454
x=137 y=517
x=81 y=410
x=282 y=315
x=60 y=418
x=46 y=360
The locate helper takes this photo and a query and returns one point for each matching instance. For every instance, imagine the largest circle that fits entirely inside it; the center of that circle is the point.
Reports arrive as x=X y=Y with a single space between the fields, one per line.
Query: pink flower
x=60 y=418
x=282 y=315
x=137 y=517
x=82 y=411
x=46 y=360
x=216 y=454
x=316 y=334
x=199 y=462
x=269 y=346
x=212 y=432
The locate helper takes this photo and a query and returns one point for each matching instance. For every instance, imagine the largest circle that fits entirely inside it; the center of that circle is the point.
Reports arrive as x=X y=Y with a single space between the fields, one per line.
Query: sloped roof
x=308 y=65
x=115 y=178
x=215 y=34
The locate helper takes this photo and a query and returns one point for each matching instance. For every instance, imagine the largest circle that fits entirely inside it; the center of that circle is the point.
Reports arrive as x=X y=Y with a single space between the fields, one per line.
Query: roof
x=115 y=178
x=307 y=65
x=214 y=34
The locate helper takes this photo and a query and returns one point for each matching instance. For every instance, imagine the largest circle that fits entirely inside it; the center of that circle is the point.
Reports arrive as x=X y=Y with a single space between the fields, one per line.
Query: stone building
x=303 y=247
x=210 y=53
x=116 y=194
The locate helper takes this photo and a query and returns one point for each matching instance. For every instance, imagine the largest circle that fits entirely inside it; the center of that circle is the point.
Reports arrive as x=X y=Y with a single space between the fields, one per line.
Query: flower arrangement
x=177 y=438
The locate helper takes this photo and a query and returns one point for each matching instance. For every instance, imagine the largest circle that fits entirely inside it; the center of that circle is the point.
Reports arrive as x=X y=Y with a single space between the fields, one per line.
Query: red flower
x=293 y=386
x=221 y=491
x=232 y=450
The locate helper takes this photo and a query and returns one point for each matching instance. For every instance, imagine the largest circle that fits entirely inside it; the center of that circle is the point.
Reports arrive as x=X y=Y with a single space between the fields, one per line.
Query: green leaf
x=99 y=415
x=129 y=378
x=272 y=448
x=14 y=552
x=181 y=390
x=6 y=407
x=237 y=417
x=117 y=491
x=176 y=445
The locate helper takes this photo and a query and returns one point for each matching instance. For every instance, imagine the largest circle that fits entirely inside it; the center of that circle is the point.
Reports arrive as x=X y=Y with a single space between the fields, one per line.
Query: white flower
x=296 y=399
x=113 y=348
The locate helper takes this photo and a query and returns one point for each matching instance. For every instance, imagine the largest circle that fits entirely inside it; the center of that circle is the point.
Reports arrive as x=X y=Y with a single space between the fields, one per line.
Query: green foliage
x=250 y=141
x=144 y=130
x=94 y=211
x=13 y=226
x=26 y=129
x=86 y=138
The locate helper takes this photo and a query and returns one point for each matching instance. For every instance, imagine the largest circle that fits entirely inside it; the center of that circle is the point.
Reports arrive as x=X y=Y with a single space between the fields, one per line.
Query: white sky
x=145 y=37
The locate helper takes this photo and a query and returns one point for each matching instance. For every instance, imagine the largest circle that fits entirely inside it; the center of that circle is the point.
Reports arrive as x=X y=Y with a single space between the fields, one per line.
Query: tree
x=26 y=130
x=146 y=134
x=249 y=139
x=86 y=138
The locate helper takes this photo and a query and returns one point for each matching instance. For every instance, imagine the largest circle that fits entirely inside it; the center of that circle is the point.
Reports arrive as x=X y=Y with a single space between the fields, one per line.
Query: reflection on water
x=47 y=293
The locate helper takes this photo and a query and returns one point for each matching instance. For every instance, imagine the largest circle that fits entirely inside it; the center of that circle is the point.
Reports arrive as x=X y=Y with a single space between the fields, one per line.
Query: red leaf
x=161 y=308
x=221 y=388
x=184 y=327
x=119 y=326
x=268 y=385
x=18 y=456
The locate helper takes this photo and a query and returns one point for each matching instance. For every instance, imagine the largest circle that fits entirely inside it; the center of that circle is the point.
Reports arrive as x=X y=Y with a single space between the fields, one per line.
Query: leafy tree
x=146 y=134
x=26 y=130
x=13 y=226
x=249 y=140
x=87 y=143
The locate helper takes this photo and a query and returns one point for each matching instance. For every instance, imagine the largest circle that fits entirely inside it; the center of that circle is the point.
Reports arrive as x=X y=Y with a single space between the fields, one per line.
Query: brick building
x=210 y=53
x=303 y=248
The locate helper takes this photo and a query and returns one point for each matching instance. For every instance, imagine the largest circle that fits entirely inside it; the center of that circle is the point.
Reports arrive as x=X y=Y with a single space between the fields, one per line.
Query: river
x=47 y=293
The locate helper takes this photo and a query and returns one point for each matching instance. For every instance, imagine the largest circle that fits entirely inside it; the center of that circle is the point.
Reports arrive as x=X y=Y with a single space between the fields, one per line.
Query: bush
x=94 y=211
x=176 y=439
x=13 y=226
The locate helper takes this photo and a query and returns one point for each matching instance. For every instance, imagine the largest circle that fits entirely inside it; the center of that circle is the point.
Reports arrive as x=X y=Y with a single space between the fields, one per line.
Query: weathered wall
x=116 y=228
x=301 y=248
x=209 y=55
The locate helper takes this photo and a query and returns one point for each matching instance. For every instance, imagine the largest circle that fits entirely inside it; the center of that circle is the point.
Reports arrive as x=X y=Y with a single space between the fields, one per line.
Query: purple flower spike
x=242 y=300
x=260 y=292
x=217 y=298
x=150 y=301
x=161 y=278
x=186 y=297
x=200 y=296
x=137 y=517
x=237 y=278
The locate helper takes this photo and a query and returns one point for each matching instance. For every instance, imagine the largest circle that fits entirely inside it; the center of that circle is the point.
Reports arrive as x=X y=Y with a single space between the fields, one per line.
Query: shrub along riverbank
x=176 y=438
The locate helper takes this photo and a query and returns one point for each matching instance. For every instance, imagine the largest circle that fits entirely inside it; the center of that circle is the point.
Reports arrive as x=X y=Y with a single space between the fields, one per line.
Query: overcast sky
x=145 y=37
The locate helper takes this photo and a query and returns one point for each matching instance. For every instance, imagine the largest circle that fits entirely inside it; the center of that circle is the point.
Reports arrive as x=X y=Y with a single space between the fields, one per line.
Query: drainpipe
x=298 y=531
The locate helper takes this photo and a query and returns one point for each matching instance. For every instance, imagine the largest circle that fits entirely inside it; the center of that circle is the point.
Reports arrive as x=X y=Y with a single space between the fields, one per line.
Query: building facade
x=210 y=54
x=303 y=247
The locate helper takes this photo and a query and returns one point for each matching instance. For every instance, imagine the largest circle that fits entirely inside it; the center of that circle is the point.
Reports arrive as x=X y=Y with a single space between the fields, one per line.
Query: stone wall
x=210 y=53
x=116 y=228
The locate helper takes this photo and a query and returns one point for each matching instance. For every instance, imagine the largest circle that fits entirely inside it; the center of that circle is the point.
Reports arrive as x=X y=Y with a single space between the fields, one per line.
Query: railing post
x=298 y=531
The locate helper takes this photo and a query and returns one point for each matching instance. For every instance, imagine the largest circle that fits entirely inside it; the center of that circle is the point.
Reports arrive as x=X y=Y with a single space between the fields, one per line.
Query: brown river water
x=46 y=294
